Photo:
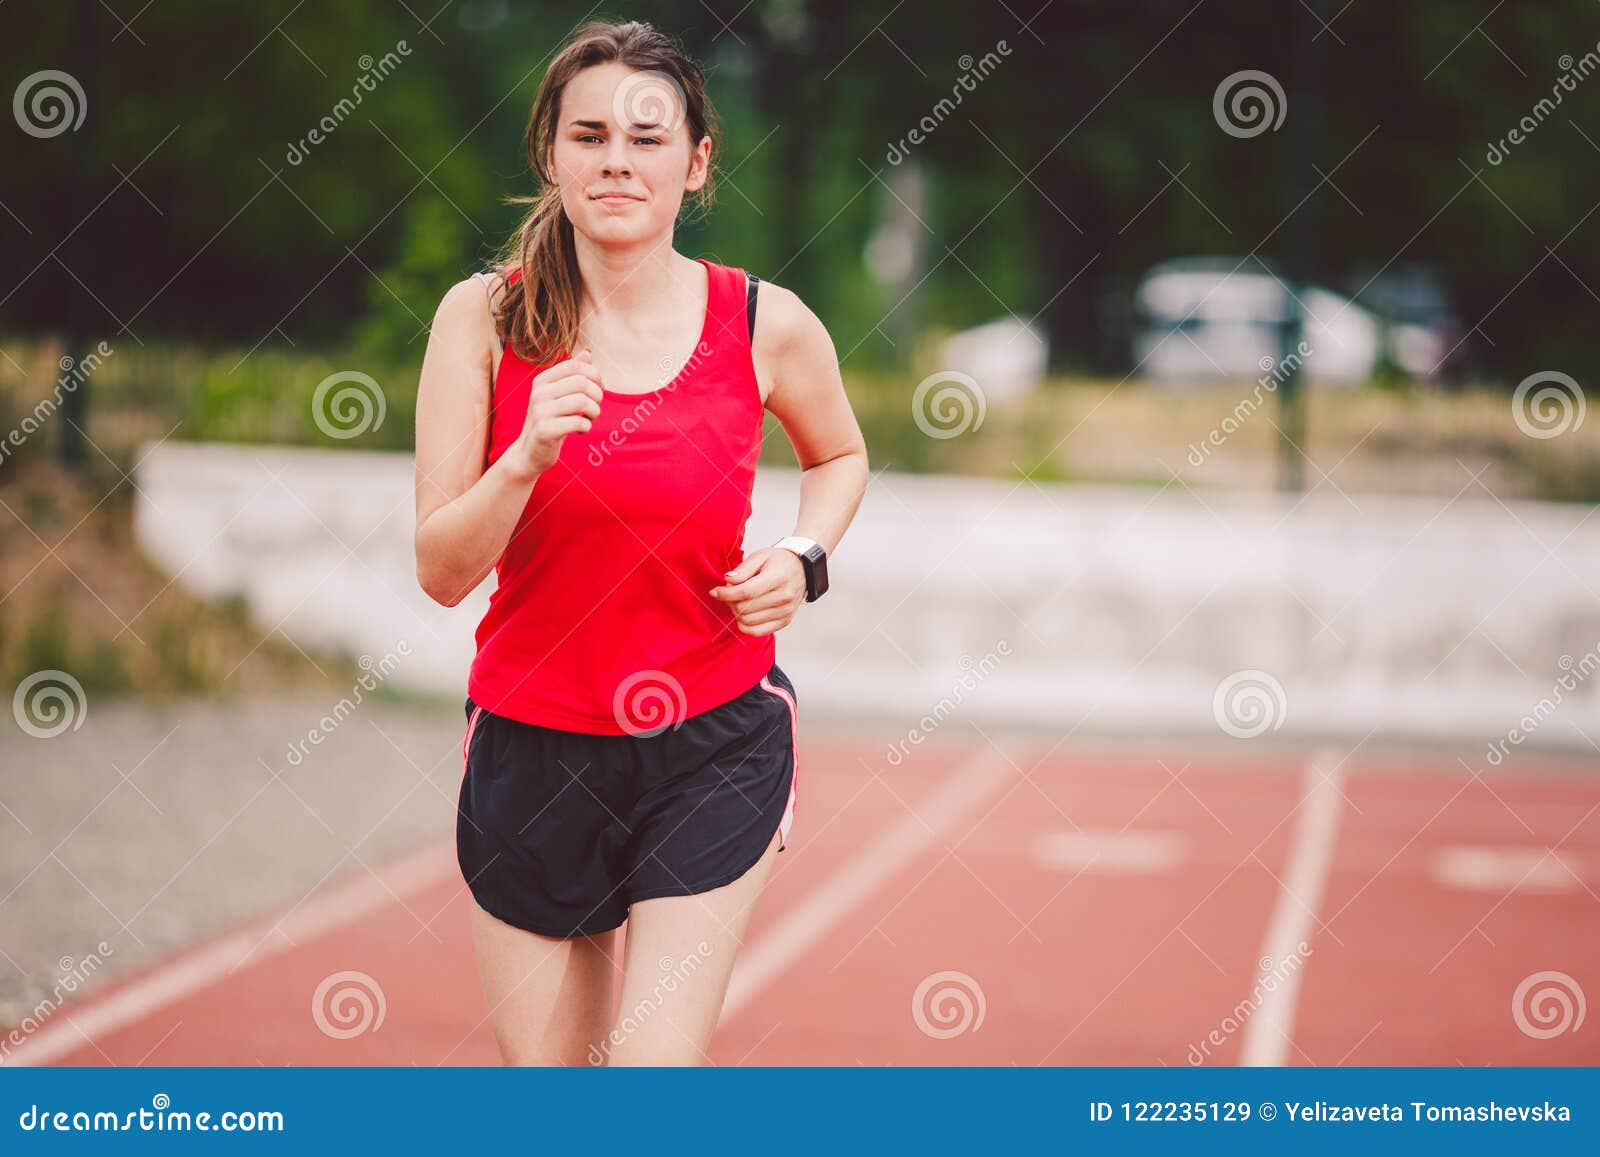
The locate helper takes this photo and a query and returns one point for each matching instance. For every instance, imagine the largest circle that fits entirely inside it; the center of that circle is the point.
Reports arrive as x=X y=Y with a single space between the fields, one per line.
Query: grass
x=1398 y=437
x=79 y=597
x=1412 y=440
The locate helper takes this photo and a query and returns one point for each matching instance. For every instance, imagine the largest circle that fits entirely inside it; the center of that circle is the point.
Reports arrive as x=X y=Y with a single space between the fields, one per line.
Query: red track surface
x=1111 y=908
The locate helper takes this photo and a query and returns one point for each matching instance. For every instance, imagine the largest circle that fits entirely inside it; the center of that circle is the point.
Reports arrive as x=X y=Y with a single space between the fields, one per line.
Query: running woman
x=589 y=418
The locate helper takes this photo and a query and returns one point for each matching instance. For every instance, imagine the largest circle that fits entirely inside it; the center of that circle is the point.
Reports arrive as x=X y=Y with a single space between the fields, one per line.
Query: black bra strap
x=488 y=434
x=750 y=303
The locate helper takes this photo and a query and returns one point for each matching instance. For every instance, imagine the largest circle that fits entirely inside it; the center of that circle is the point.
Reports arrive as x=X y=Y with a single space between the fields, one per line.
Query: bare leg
x=549 y=999
x=678 y=959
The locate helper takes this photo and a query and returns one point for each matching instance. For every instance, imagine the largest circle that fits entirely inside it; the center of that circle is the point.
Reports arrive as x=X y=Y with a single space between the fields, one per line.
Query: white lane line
x=1506 y=869
x=199 y=967
x=804 y=925
x=1129 y=852
x=1267 y=1032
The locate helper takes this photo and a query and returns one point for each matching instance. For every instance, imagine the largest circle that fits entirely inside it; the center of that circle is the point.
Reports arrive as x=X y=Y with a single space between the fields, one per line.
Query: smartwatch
x=815 y=561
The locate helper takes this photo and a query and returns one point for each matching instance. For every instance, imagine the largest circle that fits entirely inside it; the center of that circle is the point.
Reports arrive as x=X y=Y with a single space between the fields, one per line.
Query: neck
x=623 y=279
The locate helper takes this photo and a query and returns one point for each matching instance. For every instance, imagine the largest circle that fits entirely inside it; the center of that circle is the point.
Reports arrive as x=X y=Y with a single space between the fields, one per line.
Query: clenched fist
x=764 y=590
x=562 y=400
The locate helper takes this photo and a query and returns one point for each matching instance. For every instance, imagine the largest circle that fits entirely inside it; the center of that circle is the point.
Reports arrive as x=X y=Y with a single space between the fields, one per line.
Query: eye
x=647 y=141
x=587 y=137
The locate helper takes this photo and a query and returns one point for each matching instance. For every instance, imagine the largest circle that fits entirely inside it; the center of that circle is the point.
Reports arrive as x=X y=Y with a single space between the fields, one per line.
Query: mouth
x=615 y=198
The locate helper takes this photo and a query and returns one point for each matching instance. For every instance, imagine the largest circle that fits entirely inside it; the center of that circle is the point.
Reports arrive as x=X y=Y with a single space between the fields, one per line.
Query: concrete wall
x=1070 y=607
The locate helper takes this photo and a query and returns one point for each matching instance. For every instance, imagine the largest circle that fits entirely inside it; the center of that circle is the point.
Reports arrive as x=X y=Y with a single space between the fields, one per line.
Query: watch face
x=819 y=573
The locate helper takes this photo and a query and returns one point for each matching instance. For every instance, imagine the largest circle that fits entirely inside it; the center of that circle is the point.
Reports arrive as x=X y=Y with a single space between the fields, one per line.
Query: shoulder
x=464 y=308
x=792 y=351
x=785 y=324
x=463 y=326
x=469 y=295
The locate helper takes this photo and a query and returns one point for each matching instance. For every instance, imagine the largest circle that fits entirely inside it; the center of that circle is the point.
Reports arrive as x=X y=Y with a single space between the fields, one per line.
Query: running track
x=1099 y=904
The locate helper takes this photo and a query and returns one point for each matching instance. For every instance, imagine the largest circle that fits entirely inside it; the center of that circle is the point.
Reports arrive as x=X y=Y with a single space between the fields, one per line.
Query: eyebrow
x=637 y=126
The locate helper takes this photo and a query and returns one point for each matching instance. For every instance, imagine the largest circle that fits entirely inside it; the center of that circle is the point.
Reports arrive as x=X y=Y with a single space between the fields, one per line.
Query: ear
x=699 y=166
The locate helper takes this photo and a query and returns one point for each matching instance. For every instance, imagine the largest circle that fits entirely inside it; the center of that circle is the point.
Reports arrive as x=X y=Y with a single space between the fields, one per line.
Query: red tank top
x=601 y=621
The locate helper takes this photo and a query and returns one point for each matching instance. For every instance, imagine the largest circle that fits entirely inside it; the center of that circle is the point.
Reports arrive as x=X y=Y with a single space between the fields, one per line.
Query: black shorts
x=558 y=832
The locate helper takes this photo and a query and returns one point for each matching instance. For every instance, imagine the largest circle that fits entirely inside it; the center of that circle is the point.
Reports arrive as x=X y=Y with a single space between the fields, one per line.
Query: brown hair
x=538 y=314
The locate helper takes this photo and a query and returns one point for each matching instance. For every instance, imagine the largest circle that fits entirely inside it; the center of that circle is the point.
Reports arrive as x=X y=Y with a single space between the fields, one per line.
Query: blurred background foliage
x=202 y=230
x=233 y=264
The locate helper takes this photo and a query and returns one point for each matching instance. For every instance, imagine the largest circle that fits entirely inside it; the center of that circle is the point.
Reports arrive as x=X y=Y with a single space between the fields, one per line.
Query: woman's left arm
x=794 y=353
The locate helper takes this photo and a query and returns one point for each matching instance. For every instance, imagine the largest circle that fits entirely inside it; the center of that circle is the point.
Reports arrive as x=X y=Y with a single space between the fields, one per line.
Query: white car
x=1206 y=319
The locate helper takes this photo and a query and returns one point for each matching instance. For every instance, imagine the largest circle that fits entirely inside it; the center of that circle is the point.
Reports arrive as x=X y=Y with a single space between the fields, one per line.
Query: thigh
x=541 y=825
x=678 y=958
x=711 y=794
x=539 y=840
x=549 y=999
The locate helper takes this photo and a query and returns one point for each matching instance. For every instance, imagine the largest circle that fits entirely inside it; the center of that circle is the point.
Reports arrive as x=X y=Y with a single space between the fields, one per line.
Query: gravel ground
x=151 y=827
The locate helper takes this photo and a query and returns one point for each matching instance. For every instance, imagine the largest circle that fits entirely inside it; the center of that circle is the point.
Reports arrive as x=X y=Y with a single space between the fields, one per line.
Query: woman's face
x=622 y=157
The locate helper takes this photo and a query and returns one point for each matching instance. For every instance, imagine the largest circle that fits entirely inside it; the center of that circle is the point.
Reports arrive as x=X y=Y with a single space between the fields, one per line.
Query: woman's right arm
x=465 y=514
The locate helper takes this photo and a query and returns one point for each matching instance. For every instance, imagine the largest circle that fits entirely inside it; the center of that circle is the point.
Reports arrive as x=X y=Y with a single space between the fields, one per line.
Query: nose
x=615 y=163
